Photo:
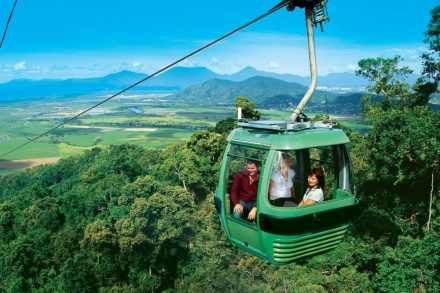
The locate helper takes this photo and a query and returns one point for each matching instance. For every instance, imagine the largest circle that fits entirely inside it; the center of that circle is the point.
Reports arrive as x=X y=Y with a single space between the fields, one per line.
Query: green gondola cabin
x=282 y=235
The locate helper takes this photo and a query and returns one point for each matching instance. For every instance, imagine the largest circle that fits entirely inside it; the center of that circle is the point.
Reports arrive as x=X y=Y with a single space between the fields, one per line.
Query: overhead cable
x=7 y=23
x=275 y=8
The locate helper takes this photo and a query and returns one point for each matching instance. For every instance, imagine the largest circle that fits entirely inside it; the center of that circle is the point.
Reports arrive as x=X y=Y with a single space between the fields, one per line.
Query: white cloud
x=273 y=65
x=351 y=67
x=20 y=66
x=188 y=63
x=407 y=53
x=332 y=69
x=136 y=64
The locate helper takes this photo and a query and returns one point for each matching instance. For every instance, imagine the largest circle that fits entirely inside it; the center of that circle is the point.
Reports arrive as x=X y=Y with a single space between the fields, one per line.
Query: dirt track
x=27 y=163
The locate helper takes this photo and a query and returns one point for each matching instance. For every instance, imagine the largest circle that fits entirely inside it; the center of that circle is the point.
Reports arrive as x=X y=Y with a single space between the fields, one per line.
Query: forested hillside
x=266 y=92
x=128 y=219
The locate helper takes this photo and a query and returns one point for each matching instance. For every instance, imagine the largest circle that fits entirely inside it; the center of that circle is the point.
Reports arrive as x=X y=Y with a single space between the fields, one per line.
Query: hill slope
x=257 y=89
x=268 y=93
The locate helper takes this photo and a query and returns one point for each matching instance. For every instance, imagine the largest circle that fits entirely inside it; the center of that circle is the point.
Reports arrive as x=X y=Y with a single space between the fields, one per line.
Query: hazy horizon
x=122 y=70
x=82 y=39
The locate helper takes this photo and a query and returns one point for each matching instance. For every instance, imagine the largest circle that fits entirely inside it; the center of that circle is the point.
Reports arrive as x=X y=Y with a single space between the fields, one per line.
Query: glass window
x=324 y=158
x=282 y=179
x=239 y=156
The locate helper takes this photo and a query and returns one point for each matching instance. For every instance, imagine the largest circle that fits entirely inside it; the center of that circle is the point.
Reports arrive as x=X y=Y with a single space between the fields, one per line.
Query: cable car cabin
x=283 y=234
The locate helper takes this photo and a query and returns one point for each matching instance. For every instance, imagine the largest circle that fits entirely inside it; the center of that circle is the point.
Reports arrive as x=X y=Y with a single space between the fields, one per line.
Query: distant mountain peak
x=248 y=68
x=125 y=73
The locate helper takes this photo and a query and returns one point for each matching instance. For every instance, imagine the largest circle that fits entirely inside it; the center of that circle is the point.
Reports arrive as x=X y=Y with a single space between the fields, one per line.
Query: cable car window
x=324 y=158
x=282 y=186
x=238 y=158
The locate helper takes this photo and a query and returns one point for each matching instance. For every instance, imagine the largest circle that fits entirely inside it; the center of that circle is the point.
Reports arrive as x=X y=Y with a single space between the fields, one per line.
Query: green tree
x=66 y=244
x=99 y=237
x=193 y=165
x=399 y=159
x=248 y=109
x=16 y=265
x=225 y=125
x=206 y=149
x=104 y=192
x=7 y=220
x=142 y=187
x=411 y=266
x=99 y=244
x=133 y=239
x=431 y=59
x=44 y=213
x=77 y=275
x=169 y=168
x=388 y=80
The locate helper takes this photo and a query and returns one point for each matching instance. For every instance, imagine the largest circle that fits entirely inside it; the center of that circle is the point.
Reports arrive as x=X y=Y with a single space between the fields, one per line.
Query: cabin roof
x=283 y=135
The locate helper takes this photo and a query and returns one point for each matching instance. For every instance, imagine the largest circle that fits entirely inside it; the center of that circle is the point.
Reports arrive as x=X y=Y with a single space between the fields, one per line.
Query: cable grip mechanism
x=319 y=10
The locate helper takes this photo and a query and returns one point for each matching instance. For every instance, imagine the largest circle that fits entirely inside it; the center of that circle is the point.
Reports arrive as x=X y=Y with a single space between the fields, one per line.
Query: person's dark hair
x=256 y=163
x=319 y=174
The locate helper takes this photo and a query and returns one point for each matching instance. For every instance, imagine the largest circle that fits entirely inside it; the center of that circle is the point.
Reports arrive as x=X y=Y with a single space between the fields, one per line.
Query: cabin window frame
x=229 y=176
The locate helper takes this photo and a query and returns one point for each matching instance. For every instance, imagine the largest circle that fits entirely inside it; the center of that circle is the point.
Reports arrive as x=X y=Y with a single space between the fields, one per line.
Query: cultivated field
x=27 y=163
x=144 y=119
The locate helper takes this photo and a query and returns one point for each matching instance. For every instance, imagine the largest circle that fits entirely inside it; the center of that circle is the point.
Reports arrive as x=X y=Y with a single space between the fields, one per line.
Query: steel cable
x=275 y=8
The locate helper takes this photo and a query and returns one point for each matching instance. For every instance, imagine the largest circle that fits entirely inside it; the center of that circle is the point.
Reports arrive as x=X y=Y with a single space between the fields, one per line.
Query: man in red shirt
x=244 y=192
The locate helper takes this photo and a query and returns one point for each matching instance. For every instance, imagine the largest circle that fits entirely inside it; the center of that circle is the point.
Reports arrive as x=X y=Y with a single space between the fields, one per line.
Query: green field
x=144 y=119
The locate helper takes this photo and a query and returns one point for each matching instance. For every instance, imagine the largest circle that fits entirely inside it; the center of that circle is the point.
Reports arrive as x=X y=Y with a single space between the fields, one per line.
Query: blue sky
x=65 y=39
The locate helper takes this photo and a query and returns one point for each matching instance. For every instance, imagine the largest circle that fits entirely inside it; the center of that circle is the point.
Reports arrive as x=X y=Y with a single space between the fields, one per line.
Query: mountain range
x=173 y=80
x=336 y=92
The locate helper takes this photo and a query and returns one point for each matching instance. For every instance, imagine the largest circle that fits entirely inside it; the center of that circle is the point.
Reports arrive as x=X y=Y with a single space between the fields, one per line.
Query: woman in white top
x=281 y=187
x=314 y=193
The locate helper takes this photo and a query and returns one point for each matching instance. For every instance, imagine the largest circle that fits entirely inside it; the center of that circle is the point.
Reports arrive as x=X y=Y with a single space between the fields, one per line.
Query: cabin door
x=242 y=232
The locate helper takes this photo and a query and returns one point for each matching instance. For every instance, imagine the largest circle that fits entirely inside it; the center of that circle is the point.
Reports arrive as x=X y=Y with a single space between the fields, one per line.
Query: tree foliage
x=388 y=81
x=399 y=158
x=248 y=109
x=431 y=58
